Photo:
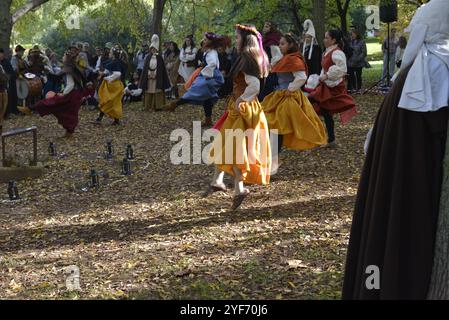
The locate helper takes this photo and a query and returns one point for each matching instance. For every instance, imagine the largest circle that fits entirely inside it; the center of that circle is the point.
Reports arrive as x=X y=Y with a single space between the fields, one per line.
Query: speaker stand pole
x=388 y=56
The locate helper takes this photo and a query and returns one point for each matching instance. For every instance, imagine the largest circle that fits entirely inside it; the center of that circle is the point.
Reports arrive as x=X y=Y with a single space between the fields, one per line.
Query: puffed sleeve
x=211 y=64
x=300 y=80
x=69 y=85
x=182 y=56
x=252 y=88
x=339 y=70
x=192 y=56
x=276 y=55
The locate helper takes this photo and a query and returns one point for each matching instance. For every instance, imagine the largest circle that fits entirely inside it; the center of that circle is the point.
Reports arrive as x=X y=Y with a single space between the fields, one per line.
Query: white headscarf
x=309 y=29
x=429 y=36
x=155 y=42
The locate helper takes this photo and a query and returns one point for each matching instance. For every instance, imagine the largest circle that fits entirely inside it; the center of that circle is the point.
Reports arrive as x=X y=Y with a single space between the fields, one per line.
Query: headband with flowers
x=213 y=36
x=253 y=30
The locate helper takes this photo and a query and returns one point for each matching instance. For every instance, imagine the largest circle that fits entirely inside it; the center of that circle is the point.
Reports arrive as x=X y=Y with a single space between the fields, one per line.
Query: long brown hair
x=215 y=40
x=252 y=59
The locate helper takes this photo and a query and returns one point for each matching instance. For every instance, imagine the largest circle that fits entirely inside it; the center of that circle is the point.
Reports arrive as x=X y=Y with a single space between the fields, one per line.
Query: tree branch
x=31 y=5
x=169 y=17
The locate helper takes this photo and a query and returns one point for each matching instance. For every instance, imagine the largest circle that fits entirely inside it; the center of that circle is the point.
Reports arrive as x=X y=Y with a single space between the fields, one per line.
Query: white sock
x=239 y=187
x=218 y=177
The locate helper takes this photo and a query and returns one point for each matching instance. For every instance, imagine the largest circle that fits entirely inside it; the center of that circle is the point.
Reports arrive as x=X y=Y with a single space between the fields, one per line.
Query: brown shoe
x=171 y=106
x=24 y=110
x=237 y=201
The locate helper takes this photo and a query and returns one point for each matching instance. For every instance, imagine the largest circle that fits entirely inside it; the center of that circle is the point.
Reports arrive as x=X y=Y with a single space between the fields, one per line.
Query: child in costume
x=242 y=146
x=287 y=109
x=65 y=105
x=131 y=91
x=187 y=57
x=111 y=89
x=204 y=89
x=330 y=96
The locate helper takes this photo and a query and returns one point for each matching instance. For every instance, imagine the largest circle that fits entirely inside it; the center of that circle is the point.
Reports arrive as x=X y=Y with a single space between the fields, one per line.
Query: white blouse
x=188 y=54
x=252 y=89
x=152 y=70
x=337 y=72
x=69 y=84
x=212 y=63
x=426 y=88
x=276 y=55
x=300 y=80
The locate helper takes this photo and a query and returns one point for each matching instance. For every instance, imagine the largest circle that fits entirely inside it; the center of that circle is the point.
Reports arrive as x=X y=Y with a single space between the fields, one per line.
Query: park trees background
x=131 y=21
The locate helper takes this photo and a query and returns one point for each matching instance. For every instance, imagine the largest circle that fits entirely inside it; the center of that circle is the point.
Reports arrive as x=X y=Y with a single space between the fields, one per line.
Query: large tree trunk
x=319 y=19
x=294 y=5
x=158 y=12
x=439 y=284
x=5 y=24
x=343 y=13
x=7 y=19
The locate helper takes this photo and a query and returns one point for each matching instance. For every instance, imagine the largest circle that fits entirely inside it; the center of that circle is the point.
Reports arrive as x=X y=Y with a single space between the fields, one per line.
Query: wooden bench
x=17 y=132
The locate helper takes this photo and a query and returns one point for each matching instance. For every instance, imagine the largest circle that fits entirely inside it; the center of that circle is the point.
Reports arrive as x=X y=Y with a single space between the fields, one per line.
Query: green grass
x=375 y=58
x=372 y=75
x=374 y=48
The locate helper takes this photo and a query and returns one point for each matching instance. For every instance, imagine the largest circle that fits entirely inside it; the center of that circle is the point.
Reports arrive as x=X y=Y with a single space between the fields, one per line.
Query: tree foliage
x=131 y=21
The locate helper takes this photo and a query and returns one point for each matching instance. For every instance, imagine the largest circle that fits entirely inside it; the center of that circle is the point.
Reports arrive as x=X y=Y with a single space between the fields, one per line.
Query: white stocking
x=218 y=177
x=239 y=187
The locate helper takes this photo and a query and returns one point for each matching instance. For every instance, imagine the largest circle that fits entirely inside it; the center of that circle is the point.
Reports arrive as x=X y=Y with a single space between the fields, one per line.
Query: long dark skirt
x=396 y=212
x=12 y=97
x=64 y=108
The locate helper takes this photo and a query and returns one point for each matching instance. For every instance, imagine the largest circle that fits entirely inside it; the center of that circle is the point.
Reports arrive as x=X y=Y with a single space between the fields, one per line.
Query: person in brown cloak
x=392 y=241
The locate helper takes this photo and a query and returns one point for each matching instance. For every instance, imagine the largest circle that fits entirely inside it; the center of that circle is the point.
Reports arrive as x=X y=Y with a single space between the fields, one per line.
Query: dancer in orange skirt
x=287 y=109
x=242 y=147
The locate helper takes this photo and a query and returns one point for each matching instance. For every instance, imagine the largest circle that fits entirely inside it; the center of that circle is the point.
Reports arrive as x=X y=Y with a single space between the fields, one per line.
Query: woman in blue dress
x=204 y=89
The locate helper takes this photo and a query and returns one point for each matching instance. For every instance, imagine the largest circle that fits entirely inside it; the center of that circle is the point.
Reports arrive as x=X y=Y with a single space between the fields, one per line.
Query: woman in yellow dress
x=242 y=147
x=112 y=89
x=287 y=109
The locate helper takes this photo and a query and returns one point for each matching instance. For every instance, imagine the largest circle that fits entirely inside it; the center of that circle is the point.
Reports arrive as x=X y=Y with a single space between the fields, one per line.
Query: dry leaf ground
x=153 y=236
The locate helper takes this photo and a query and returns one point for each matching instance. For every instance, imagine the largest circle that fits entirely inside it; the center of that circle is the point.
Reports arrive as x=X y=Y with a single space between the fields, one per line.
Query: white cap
x=309 y=28
x=155 y=42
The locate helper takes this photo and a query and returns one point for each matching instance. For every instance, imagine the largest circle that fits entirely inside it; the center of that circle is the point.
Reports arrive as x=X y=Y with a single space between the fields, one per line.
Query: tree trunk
x=30 y=5
x=319 y=19
x=5 y=24
x=343 y=13
x=294 y=5
x=7 y=20
x=158 y=12
x=439 y=284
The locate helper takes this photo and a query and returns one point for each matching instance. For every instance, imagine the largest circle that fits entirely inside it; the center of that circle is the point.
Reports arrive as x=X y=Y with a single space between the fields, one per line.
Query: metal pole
x=388 y=55
x=35 y=147
x=3 y=151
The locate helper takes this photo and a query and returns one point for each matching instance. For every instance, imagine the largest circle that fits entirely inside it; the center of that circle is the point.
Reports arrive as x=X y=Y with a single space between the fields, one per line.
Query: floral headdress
x=213 y=36
x=250 y=29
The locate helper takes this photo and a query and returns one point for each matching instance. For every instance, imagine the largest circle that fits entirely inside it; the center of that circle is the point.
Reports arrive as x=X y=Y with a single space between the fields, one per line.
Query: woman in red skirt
x=64 y=106
x=330 y=96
